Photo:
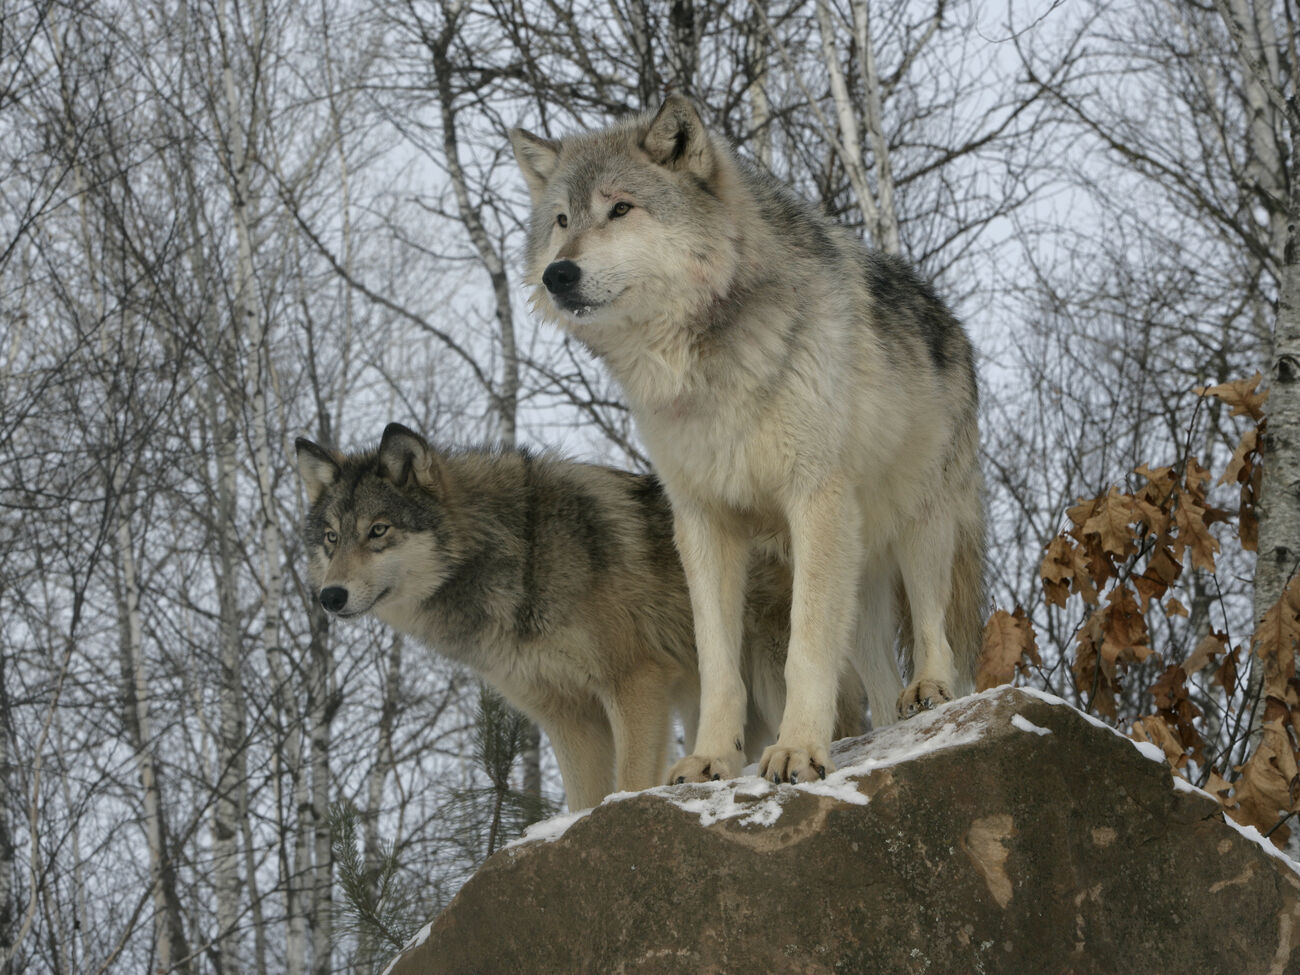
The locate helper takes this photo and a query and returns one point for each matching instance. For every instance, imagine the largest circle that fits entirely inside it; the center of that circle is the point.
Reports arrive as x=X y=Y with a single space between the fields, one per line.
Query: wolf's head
x=376 y=527
x=630 y=223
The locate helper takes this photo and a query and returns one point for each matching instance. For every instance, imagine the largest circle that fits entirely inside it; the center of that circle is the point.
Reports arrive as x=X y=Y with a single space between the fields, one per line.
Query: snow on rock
x=419 y=938
x=1024 y=724
x=1011 y=844
x=753 y=801
x=1255 y=836
x=553 y=828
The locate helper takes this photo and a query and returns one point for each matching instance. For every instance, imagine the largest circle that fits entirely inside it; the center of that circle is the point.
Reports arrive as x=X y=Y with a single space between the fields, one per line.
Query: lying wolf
x=556 y=581
x=796 y=391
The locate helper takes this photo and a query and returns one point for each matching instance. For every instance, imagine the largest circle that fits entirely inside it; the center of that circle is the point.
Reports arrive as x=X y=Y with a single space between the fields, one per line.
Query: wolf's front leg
x=826 y=551
x=715 y=556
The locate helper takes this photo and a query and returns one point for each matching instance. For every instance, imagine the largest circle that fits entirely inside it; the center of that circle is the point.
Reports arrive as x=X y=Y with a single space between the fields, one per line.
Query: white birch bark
x=757 y=52
x=1269 y=73
x=506 y=396
x=385 y=761
x=322 y=694
x=885 y=233
x=168 y=930
x=8 y=859
x=231 y=773
x=169 y=940
x=875 y=201
x=850 y=136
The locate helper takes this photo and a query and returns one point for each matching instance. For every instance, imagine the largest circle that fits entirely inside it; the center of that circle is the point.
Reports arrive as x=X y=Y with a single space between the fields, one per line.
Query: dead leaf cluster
x=1123 y=554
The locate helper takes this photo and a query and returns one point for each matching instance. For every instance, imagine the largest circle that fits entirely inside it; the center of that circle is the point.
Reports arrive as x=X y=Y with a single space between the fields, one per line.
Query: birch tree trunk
x=1279 y=506
x=849 y=142
x=1269 y=71
x=323 y=701
x=885 y=232
x=8 y=863
x=642 y=38
x=170 y=944
x=506 y=396
x=384 y=762
x=684 y=45
x=757 y=52
x=169 y=932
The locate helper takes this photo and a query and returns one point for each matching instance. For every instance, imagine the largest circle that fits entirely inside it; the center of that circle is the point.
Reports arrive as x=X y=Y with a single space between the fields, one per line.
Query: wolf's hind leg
x=584 y=750
x=924 y=550
x=716 y=560
x=874 y=658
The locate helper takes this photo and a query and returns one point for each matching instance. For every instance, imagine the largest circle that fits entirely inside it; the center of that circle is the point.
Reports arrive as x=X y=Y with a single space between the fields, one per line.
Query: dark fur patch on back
x=528 y=613
x=656 y=512
x=581 y=511
x=906 y=304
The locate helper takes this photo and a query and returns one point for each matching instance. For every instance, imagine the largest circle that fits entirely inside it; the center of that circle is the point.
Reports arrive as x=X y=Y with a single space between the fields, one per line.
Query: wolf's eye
x=377 y=530
x=620 y=209
x=331 y=537
x=562 y=219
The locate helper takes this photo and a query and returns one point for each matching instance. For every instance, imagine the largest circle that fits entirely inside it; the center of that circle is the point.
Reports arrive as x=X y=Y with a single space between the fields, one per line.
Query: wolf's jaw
x=362 y=612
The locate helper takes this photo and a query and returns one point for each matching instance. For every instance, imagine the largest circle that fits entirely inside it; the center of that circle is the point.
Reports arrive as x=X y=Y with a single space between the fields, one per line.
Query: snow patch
x=1024 y=724
x=716 y=801
x=1149 y=750
x=753 y=801
x=552 y=829
x=1182 y=785
x=1255 y=836
x=419 y=938
x=1061 y=702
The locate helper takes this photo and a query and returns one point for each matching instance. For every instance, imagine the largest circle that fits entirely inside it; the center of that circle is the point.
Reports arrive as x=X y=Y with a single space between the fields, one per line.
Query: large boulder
x=1005 y=832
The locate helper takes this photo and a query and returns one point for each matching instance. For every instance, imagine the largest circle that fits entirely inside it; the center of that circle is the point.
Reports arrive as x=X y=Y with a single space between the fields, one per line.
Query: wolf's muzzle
x=333 y=598
x=561 y=277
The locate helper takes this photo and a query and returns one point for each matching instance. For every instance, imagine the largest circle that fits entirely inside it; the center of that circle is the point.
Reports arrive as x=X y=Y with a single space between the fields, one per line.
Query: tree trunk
x=169 y=933
x=506 y=398
x=321 y=706
x=8 y=863
x=760 y=108
x=382 y=767
x=885 y=233
x=1279 y=505
x=1266 y=79
x=849 y=140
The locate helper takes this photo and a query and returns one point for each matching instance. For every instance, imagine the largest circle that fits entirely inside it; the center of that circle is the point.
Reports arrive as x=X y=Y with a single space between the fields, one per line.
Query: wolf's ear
x=536 y=157
x=317 y=467
x=406 y=458
x=678 y=140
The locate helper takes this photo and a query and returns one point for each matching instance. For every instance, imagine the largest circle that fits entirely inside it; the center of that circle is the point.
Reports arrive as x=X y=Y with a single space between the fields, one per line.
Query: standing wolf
x=795 y=391
x=557 y=582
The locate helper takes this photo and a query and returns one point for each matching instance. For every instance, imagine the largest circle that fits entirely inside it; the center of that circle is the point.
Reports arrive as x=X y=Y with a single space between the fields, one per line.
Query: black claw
x=680 y=779
x=716 y=777
x=821 y=770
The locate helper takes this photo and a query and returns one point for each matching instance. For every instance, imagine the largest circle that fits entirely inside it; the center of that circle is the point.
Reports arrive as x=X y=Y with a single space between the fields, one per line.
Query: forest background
x=228 y=223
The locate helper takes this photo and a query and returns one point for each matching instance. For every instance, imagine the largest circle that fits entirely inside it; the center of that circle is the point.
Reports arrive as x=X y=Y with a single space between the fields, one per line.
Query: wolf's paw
x=782 y=764
x=705 y=768
x=921 y=696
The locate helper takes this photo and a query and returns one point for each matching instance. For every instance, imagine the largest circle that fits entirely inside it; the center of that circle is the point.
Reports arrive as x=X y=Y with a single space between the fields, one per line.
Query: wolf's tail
x=966 y=607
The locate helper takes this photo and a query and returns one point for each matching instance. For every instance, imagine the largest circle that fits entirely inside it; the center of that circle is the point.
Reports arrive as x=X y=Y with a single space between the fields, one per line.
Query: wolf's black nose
x=561 y=276
x=333 y=598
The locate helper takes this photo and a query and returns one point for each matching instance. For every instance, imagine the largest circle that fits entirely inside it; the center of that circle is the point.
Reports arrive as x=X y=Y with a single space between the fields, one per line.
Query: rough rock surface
x=1005 y=832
